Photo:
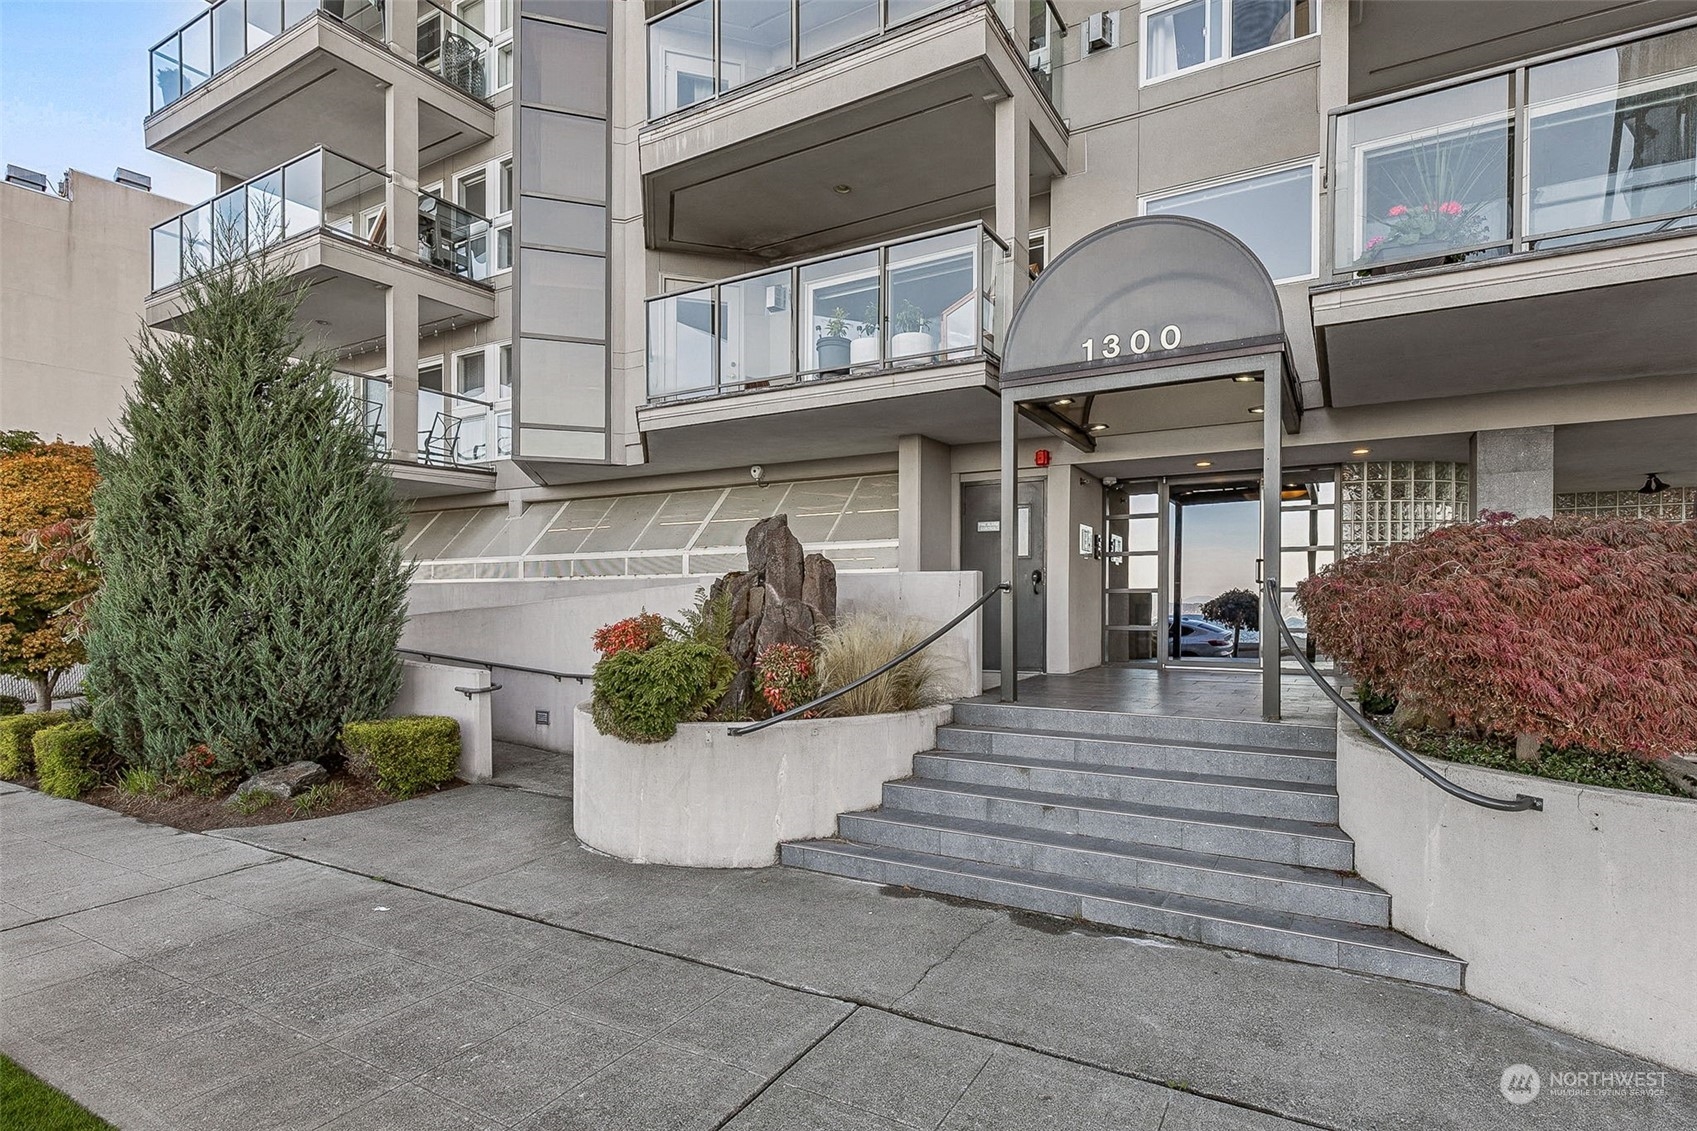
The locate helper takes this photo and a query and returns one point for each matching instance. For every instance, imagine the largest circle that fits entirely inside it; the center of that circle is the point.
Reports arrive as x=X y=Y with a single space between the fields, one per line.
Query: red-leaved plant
x=1582 y=630
x=633 y=634
x=785 y=675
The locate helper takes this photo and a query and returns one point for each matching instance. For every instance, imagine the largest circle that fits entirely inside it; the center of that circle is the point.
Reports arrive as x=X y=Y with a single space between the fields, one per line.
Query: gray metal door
x=980 y=549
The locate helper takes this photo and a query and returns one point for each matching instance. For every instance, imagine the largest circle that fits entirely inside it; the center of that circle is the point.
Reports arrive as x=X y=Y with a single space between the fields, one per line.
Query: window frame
x=1225 y=56
x=499 y=222
x=1312 y=164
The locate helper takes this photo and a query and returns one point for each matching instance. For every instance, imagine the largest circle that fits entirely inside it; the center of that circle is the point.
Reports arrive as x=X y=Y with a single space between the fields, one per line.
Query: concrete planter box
x=707 y=800
x=1579 y=916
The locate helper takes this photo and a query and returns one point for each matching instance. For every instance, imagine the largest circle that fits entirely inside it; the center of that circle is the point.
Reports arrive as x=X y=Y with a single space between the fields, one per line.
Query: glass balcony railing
x=457 y=431
x=368 y=405
x=320 y=191
x=1601 y=145
x=928 y=300
x=454 y=51
x=231 y=30
x=700 y=49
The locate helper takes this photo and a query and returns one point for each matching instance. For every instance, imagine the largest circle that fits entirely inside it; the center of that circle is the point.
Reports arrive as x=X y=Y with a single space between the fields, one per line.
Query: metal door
x=980 y=549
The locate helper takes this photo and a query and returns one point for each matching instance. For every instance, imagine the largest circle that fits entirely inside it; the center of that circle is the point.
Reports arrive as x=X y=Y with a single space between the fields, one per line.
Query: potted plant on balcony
x=833 y=345
x=911 y=335
x=1427 y=231
x=863 y=351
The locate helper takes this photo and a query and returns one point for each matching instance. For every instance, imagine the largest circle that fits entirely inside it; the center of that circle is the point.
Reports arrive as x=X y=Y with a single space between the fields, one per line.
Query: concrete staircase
x=1216 y=831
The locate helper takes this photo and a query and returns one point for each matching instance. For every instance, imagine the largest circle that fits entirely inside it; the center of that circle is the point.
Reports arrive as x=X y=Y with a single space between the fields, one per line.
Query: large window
x=1272 y=212
x=1186 y=34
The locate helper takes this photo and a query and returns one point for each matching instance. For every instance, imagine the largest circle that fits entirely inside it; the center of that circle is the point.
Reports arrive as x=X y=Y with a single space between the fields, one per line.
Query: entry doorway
x=981 y=549
x=1213 y=607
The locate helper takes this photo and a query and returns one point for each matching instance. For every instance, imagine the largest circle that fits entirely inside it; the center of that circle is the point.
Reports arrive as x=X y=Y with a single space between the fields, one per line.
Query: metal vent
x=28 y=178
x=133 y=179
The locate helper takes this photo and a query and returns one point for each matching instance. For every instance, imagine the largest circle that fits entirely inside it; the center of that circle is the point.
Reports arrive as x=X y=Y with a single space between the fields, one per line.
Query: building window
x=1186 y=34
x=1386 y=502
x=506 y=370
x=469 y=377
x=1037 y=251
x=1273 y=212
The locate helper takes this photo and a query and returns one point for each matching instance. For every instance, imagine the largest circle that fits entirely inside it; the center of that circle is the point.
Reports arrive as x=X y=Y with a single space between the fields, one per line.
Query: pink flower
x=1450 y=208
x=1373 y=243
x=1398 y=210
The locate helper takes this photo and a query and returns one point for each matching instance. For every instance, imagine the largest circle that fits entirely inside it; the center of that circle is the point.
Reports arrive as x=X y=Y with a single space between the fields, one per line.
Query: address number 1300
x=1139 y=343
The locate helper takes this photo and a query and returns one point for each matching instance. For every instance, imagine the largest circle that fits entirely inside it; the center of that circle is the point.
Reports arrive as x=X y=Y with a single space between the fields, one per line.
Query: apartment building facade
x=612 y=280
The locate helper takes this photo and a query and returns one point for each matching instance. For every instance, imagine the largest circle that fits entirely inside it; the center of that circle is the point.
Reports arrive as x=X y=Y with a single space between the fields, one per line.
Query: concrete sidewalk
x=460 y=961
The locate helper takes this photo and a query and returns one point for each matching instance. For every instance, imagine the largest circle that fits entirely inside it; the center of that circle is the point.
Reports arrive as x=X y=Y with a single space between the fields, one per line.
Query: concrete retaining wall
x=548 y=624
x=708 y=800
x=1580 y=916
x=428 y=689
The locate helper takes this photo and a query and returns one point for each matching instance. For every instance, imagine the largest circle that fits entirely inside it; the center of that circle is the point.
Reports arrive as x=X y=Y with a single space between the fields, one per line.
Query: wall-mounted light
x=1259 y=410
x=1653 y=485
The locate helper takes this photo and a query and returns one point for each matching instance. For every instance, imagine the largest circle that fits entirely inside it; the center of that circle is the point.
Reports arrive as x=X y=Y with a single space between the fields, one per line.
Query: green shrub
x=139 y=781
x=11 y=705
x=321 y=796
x=71 y=758
x=250 y=801
x=1564 y=763
x=643 y=696
x=403 y=755
x=17 y=737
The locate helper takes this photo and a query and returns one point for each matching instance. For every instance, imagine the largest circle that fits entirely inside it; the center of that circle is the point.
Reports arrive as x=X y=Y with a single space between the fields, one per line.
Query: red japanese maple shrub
x=1582 y=630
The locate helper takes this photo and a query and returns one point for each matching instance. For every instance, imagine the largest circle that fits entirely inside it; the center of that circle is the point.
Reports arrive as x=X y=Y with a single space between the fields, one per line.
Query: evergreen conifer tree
x=254 y=587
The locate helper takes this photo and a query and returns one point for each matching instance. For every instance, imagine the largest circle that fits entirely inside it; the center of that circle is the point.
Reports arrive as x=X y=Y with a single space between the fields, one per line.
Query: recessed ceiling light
x=1098 y=427
x=843 y=190
x=1258 y=410
x=1062 y=401
x=1204 y=463
x=1360 y=451
x=1245 y=378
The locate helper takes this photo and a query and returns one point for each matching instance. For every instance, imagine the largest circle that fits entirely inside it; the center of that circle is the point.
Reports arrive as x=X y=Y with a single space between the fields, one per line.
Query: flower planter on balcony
x=706 y=799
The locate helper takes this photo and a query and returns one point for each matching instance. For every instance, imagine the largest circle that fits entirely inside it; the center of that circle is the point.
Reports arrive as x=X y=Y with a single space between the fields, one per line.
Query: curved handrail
x=492 y=665
x=793 y=712
x=1518 y=803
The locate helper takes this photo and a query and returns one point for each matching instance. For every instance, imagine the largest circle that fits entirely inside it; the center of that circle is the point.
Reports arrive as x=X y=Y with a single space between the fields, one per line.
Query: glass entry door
x=1133 y=553
x=1213 y=602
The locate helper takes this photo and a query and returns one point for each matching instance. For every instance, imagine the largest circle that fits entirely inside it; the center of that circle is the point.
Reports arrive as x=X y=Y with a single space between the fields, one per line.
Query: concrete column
x=401 y=32
x=1013 y=193
x=925 y=497
x=400 y=161
x=400 y=334
x=1272 y=479
x=1514 y=470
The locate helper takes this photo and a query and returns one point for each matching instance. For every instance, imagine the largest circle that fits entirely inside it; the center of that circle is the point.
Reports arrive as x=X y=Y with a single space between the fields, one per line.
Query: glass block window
x=1387 y=501
x=851 y=520
x=1676 y=504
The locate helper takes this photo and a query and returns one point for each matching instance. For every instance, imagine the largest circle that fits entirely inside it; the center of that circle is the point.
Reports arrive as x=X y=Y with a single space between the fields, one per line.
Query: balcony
x=1537 y=223
x=461 y=431
x=327 y=216
x=455 y=433
x=905 y=331
x=786 y=127
x=248 y=82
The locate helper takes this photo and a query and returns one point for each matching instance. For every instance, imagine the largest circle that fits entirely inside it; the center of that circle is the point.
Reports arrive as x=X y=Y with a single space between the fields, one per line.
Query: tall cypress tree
x=254 y=588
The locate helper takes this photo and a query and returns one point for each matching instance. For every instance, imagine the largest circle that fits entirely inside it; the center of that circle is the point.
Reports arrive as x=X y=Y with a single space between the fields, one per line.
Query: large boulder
x=776 y=555
x=819 y=588
x=283 y=782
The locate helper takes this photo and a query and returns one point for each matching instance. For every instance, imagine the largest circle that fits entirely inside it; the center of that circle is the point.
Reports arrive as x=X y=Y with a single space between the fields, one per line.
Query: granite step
x=1284 y=887
x=1181 y=789
x=1119 y=724
x=1257 y=930
x=1315 y=766
x=1275 y=839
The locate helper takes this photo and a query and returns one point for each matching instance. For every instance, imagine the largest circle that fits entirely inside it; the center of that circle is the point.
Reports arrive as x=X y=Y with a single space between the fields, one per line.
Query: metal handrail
x=793 y=712
x=493 y=664
x=1519 y=802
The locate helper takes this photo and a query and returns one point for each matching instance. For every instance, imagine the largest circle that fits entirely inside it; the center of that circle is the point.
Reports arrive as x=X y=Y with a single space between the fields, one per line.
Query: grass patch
x=1571 y=764
x=138 y=781
x=318 y=797
x=27 y=1102
x=250 y=801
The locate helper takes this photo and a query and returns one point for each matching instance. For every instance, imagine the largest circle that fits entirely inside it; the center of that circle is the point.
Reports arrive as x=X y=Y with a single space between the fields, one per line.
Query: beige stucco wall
x=76 y=274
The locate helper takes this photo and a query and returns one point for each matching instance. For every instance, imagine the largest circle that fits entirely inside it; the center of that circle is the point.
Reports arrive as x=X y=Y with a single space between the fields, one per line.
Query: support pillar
x=400 y=29
x=1013 y=195
x=925 y=490
x=1010 y=480
x=400 y=162
x=400 y=339
x=1514 y=470
x=1272 y=479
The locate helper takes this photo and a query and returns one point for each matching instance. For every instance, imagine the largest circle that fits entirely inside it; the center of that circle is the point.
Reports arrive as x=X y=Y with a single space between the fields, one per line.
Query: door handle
x=1036 y=581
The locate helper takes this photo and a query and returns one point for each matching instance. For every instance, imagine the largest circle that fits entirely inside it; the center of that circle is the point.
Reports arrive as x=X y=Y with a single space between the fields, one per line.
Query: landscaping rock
x=786 y=620
x=1681 y=772
x=776 y=554
x=784 y=597
x=284 y=781
x=819 y=588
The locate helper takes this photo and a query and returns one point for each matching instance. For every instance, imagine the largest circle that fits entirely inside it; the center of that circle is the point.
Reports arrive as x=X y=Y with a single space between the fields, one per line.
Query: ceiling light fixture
x=1653 y=485
x=1360 y=451
x=843 y=190
x=1098 y=427
x=1245 y=378
x=1259 y=410
x=1063 y=402
x=1204 y=463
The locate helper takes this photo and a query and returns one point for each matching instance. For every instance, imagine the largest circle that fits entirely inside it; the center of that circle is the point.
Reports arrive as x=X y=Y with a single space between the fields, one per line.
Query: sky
x=74 y=88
